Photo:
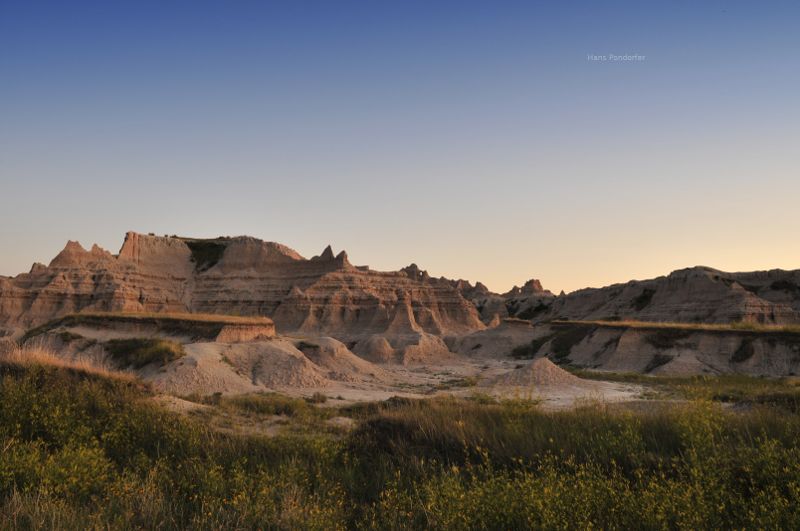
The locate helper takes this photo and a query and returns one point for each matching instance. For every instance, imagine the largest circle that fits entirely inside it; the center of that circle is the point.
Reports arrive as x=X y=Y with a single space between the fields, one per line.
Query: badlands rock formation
x=324 y=295
x=209 y=365
x=673 y=350
x=694 y=295
x=526 y=302
x=403 y=316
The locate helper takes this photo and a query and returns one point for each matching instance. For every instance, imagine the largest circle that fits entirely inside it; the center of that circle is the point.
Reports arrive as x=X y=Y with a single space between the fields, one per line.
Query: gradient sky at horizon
x=474 y=139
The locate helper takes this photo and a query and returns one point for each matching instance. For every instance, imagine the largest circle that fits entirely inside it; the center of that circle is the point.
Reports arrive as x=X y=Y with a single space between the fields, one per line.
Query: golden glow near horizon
x=405 y=139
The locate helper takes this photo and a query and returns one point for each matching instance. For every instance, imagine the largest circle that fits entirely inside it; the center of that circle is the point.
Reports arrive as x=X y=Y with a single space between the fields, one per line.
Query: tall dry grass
x=177 y=316
x=38 y=354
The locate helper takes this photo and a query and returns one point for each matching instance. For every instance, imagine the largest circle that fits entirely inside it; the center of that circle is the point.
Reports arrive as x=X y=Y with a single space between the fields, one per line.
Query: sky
x=476 y=139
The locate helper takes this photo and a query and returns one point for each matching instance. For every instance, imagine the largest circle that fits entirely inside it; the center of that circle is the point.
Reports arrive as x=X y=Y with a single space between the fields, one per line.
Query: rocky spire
x=326 y=256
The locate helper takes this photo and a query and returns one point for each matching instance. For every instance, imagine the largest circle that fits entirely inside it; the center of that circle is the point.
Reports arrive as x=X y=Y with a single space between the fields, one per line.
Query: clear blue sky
x=475 y=139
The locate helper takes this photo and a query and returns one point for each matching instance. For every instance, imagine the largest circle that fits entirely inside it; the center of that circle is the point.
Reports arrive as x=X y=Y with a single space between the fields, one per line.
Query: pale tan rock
x=243 y=333
x=539 y=372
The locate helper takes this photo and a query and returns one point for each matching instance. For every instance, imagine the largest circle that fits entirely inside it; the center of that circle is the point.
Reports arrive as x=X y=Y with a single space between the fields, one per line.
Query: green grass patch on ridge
x=193 y=325
x=139 y=352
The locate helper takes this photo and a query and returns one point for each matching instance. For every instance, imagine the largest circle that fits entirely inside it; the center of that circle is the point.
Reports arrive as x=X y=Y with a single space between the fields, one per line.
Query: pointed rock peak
x=38 y=267
x=99 y=251
x=74 y=246
x=327 y=255
x=71 y=255
x=462 y=284
x=341 y=260
x=532 y=286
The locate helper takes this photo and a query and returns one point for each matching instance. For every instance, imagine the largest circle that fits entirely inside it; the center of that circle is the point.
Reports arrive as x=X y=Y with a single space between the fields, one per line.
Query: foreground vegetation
x=779 y=393
x=84 y=450
x=139 y=352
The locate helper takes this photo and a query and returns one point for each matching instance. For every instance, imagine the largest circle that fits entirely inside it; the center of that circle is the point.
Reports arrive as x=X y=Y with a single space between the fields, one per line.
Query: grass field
x=83 y=449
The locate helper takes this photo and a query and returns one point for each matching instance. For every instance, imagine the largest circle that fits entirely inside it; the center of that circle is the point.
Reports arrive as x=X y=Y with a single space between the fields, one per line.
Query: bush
x=317 y=398
x=137 y=353
x=80 y=451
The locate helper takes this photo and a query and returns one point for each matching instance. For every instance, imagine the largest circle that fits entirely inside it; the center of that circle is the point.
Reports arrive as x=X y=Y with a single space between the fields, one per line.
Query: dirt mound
x=376 y=349
x=540 y=372
x=340 y=364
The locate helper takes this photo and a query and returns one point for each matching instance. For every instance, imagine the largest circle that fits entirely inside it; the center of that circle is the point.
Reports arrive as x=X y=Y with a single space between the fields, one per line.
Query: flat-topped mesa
x=169 y=256
x=225 y=256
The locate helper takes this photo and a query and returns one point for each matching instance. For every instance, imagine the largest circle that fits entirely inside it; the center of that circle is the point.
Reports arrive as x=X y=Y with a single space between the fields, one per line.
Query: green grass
x=264 y=413
x=782 y=393
x=136 y=353
x=83 y=452
x=452 y=383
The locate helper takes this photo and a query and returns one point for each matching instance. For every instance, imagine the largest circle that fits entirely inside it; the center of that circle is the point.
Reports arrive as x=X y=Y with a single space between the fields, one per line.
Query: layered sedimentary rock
x=667 y=350
x=694 y=295
x=324 y=295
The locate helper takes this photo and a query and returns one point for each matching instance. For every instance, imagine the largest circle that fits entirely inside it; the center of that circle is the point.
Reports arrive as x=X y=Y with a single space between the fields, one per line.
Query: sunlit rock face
x=324 y=295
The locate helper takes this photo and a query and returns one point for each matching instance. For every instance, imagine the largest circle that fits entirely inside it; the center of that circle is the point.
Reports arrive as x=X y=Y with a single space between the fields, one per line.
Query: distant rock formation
x=526 y=302
x=693 y=295
x=673 y=349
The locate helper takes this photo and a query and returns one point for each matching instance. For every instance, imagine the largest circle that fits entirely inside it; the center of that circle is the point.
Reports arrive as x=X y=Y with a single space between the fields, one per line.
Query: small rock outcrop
x=244 y=333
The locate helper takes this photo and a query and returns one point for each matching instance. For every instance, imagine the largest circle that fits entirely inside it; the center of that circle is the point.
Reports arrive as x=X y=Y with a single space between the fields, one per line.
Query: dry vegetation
x=190 y=324
x=139 y=352
x=651 y=325
x=82 y=451
x=175 y=316
x=35 y=355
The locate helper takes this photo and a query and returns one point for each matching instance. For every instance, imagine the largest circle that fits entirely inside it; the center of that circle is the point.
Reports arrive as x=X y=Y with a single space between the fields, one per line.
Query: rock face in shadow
x=324 y=295
x=693 y=295
x=667 y=350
